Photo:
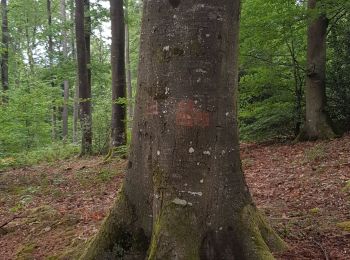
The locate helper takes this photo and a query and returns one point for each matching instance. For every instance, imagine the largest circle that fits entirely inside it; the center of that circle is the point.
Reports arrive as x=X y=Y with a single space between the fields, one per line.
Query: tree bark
x=76 y=91
x=185 y=195
x=65 y=82
x=84 y=86
x=76 y=112
x=317 y=123
x=127 y=62
x=50 y=54
x=118 y=131
x=5 y=53
x=87 y=30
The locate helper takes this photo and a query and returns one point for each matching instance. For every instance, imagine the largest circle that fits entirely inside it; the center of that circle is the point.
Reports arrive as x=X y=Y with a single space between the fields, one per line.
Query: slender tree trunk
x=317 y=123
x=87 y=30
x=65 y=82
x=29 y=48
x=118 y=131
x=76 y=91
x=84 y=86
x=100 y=45
x=76 y=112
x=127 y=62
x=185 y=196
x=298 y=87
x=4 y=53
x=50 y=52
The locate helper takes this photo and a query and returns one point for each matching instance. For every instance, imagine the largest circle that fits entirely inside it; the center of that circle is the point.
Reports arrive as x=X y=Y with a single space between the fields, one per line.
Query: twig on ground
x=10 y=220
x=322 y=248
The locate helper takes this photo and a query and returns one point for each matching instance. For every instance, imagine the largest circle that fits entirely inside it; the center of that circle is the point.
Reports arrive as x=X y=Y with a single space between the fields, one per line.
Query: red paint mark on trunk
x=187 y=114
x=152 y=108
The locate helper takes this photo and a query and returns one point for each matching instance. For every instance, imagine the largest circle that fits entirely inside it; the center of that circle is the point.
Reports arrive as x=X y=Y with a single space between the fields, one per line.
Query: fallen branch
x=10 y=220
x=322 y=248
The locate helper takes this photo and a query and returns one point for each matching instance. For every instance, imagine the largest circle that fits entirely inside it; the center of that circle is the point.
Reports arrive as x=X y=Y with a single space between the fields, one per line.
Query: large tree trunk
x=118 y=131
x=84 y=86
x=127 y=62
x=65 y=82
x=185 y=196
x=4 y=52
x=317 y=123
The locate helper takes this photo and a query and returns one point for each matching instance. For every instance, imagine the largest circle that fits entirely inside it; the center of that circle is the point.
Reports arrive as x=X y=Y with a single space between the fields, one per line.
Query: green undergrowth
x=344 y=225
x=50 y=153
x=316 y=153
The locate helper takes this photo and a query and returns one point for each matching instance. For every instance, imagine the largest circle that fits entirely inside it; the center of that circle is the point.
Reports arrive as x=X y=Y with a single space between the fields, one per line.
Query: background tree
x=118 y=129
x=317 y=122
x=272 y=69
x=128 y=62
x=65 y=82
x=192 y=201
x=84 y=84
x=51 y=57
x=87 y=30
x=4 y=50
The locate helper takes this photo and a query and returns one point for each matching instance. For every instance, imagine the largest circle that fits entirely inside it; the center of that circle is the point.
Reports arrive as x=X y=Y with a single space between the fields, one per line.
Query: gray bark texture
x=128 y=64
x=50 y=54
x=84 y=84
x=65 y=82
x=185 y=196
x=317 y=122
x=118 y=129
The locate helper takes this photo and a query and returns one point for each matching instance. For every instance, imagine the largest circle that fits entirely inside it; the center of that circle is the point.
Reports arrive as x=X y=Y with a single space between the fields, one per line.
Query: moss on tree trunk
x=118 y=238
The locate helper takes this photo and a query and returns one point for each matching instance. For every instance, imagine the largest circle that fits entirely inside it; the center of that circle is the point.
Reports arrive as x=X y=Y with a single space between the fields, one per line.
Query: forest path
x=304 y=189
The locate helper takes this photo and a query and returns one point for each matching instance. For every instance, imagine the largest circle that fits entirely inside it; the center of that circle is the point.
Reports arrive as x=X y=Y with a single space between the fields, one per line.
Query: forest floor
x=49 y=210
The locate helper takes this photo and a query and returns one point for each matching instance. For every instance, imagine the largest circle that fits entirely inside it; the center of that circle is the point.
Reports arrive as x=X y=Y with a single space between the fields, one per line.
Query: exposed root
x=178 y=235
x=258 y=238
x=117 y=237
x=324 y=132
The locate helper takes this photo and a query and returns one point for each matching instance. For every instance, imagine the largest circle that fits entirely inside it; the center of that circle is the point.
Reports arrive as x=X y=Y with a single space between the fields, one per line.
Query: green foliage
x=50 y=153
x=272 y=49
x=272 y=74
x=36 y=92
x=316 y=153
x=273 y=62
x=338 y=77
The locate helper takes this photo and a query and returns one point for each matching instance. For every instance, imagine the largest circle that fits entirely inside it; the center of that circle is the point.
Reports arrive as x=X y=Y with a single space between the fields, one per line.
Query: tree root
x=117 y=237
x=258 y=238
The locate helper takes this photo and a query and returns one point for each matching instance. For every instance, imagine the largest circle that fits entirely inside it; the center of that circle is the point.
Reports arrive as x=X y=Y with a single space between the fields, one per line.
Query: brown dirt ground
x=303 y=189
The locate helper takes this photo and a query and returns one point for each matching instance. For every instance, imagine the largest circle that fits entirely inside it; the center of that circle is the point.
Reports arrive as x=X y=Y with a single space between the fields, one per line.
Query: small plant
x=344 y=225
x=50 y=153
x=26 y=251
x=316 y=153
x=315 y=211
x=105 y=175
x=347 y=186
x=248 y=162
x=122 y=151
